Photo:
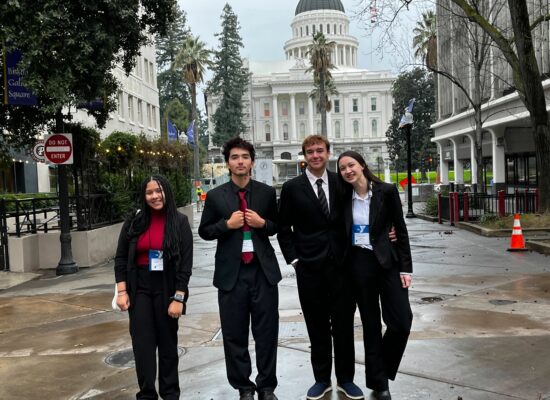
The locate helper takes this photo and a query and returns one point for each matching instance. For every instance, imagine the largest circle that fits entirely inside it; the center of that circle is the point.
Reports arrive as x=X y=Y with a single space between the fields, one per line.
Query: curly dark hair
x=142 y=217
x=239 y=143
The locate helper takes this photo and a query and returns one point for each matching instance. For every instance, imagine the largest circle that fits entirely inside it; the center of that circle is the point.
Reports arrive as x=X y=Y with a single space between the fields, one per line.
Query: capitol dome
x=313 y=5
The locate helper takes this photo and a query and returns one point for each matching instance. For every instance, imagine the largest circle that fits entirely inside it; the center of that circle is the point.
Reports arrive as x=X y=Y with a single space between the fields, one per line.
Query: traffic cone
x=516 y=242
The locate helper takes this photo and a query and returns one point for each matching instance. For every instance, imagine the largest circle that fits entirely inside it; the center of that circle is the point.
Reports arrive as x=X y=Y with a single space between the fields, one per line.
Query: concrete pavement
x=481 y=329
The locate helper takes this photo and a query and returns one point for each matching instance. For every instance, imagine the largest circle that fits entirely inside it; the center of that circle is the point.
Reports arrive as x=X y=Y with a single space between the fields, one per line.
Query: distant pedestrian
x=200 y=200
x=152 y=270
x=241 y=215
x=381 y=270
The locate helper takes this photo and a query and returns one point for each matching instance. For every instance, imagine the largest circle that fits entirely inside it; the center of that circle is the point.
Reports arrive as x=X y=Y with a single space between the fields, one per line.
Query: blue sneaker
x=318 y=390
x=351 y=390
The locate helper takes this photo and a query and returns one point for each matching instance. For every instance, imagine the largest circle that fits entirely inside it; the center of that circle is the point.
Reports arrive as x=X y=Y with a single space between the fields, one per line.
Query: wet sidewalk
x=481 y=329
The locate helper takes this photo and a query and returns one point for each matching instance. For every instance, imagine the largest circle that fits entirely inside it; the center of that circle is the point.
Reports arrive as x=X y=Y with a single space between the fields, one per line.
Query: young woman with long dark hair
x=381 y=269
x=152 y=270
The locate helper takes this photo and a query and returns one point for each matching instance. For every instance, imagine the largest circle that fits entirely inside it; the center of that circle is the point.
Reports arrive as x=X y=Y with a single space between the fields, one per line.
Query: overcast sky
x=265 y=26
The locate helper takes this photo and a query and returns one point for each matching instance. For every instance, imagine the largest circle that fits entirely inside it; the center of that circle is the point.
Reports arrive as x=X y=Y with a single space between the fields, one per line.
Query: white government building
x=280 y=113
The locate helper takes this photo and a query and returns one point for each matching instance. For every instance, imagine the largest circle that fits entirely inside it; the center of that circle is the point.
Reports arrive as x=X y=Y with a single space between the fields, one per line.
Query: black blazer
x=220 y=203
x=177 y=271
x=385 y=210
x=305 y=233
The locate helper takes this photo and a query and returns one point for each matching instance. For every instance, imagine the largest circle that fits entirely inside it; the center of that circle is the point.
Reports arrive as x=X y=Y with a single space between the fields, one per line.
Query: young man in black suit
x=241 y=215
x=312 y=237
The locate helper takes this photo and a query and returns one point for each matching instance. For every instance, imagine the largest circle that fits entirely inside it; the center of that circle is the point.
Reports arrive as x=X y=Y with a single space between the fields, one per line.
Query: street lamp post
x=406 y=124
x=396 y=170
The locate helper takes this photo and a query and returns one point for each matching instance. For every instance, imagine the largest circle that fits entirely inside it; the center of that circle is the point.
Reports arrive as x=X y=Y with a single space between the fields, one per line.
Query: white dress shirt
x=313 y=181
x=361 y=212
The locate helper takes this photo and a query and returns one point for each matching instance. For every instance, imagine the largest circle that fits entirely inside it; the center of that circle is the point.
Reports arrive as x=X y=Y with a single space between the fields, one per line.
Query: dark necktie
x=246 y=256
x=322 y=197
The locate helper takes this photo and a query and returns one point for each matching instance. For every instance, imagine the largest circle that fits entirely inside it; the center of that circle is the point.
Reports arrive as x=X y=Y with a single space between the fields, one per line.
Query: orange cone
x=516 y=242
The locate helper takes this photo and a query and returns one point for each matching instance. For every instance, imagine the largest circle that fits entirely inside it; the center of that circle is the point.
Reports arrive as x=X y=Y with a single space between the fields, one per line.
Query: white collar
x=313 y=179
x=355 y=196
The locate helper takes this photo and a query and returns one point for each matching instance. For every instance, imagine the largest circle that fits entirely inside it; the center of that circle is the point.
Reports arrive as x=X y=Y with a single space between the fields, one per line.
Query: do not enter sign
x=58 y=148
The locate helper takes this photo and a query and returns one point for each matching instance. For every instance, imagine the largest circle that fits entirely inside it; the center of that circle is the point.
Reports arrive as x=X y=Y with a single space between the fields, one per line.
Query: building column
x=458 y=166
x=275 y=119
x=443 y=166
x=366 y=125
x=310 y=116
x=329 y=126
x=473 y=163
x=347 y=123
x=292 y=117
x=499 y=164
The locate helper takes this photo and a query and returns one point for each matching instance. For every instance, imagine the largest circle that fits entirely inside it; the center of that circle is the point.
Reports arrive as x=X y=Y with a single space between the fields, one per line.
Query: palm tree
x=425 y=40
x=193 y=59
x=319 y=57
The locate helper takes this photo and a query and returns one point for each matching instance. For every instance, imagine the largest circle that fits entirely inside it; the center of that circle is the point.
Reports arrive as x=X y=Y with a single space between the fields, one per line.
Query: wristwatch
x=180 y=298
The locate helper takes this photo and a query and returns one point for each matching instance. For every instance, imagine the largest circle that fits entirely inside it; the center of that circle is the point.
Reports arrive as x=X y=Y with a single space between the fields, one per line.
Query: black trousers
x=328 y=309
x=151 y=328
x=375 y=286
x=254 y=300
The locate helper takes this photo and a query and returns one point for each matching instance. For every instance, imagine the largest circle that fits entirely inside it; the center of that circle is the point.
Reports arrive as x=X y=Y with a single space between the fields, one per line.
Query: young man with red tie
x=241 y=215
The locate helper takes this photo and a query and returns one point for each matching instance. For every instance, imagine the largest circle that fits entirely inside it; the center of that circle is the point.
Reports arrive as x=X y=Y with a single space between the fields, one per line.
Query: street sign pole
x=66 y=263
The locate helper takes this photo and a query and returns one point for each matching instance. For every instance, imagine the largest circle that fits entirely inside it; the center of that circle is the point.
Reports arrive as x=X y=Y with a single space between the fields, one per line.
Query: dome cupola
x=314 y=5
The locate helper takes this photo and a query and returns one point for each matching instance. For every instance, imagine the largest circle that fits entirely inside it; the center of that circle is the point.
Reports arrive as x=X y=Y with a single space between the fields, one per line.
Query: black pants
x=328 y=309
x=375 y=286
x=252 y=299
x=151 y=328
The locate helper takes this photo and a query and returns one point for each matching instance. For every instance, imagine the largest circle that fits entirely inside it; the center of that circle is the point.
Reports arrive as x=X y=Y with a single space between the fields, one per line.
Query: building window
x=307 y=30
x=146 y=70
x=266 y=110
x=374 y=127
x=373 y=103
x=139 y=69
x=130 y=108
x=154 y=117
x=355 y=128
x=285 y=131
x=267 y=133
x=151 y=73
x=284 y=107
x=328 y=28
x=313 y=29
x=149 y=120
x=336 y=106
x=140 y=112
x=340 y=29
x=120 y=104
x=301 y=32
x=302 y=130
x=320 y=28
x=337 y=129
x=335 y=29
x=301 y=108
x=355 y=105
x=318 y=128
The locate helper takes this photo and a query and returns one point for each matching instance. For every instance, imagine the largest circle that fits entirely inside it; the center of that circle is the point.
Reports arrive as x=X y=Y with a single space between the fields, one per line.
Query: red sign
x=404 y=182
x=58 y=148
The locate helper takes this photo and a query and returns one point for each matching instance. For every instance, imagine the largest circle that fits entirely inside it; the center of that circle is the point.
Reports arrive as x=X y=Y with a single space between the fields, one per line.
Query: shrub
x=431 y=207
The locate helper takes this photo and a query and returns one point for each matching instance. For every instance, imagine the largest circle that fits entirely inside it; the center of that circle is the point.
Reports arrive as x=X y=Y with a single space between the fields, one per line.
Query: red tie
x=246 y=256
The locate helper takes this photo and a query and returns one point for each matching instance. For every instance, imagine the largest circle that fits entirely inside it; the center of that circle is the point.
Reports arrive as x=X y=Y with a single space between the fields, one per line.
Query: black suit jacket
x=385 y=210
x=176 y=272
x=305 y=233
x=220 y=203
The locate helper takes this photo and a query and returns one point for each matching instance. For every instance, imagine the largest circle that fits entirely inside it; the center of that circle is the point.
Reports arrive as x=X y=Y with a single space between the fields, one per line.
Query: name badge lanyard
x=155 y=257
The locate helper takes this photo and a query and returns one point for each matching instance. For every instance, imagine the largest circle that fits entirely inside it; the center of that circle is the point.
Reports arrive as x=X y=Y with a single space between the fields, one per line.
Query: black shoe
x=246 y=394
x=382 y=395
x=267 y=395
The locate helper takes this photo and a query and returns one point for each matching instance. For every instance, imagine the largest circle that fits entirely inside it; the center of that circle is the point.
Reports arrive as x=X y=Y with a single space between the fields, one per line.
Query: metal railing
x=41 y=214
x=466 y=207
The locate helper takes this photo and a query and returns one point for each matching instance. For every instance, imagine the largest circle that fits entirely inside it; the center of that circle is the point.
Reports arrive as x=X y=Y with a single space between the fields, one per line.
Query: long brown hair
x=366 y=171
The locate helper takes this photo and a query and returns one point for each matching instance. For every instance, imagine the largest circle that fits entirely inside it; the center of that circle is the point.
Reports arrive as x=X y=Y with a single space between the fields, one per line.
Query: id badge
x=360 y=236
x=248 y=246
x=155 y=260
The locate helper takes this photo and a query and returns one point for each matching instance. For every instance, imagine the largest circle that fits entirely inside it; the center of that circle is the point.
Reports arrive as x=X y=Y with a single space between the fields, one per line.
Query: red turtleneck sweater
x=151 y=239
